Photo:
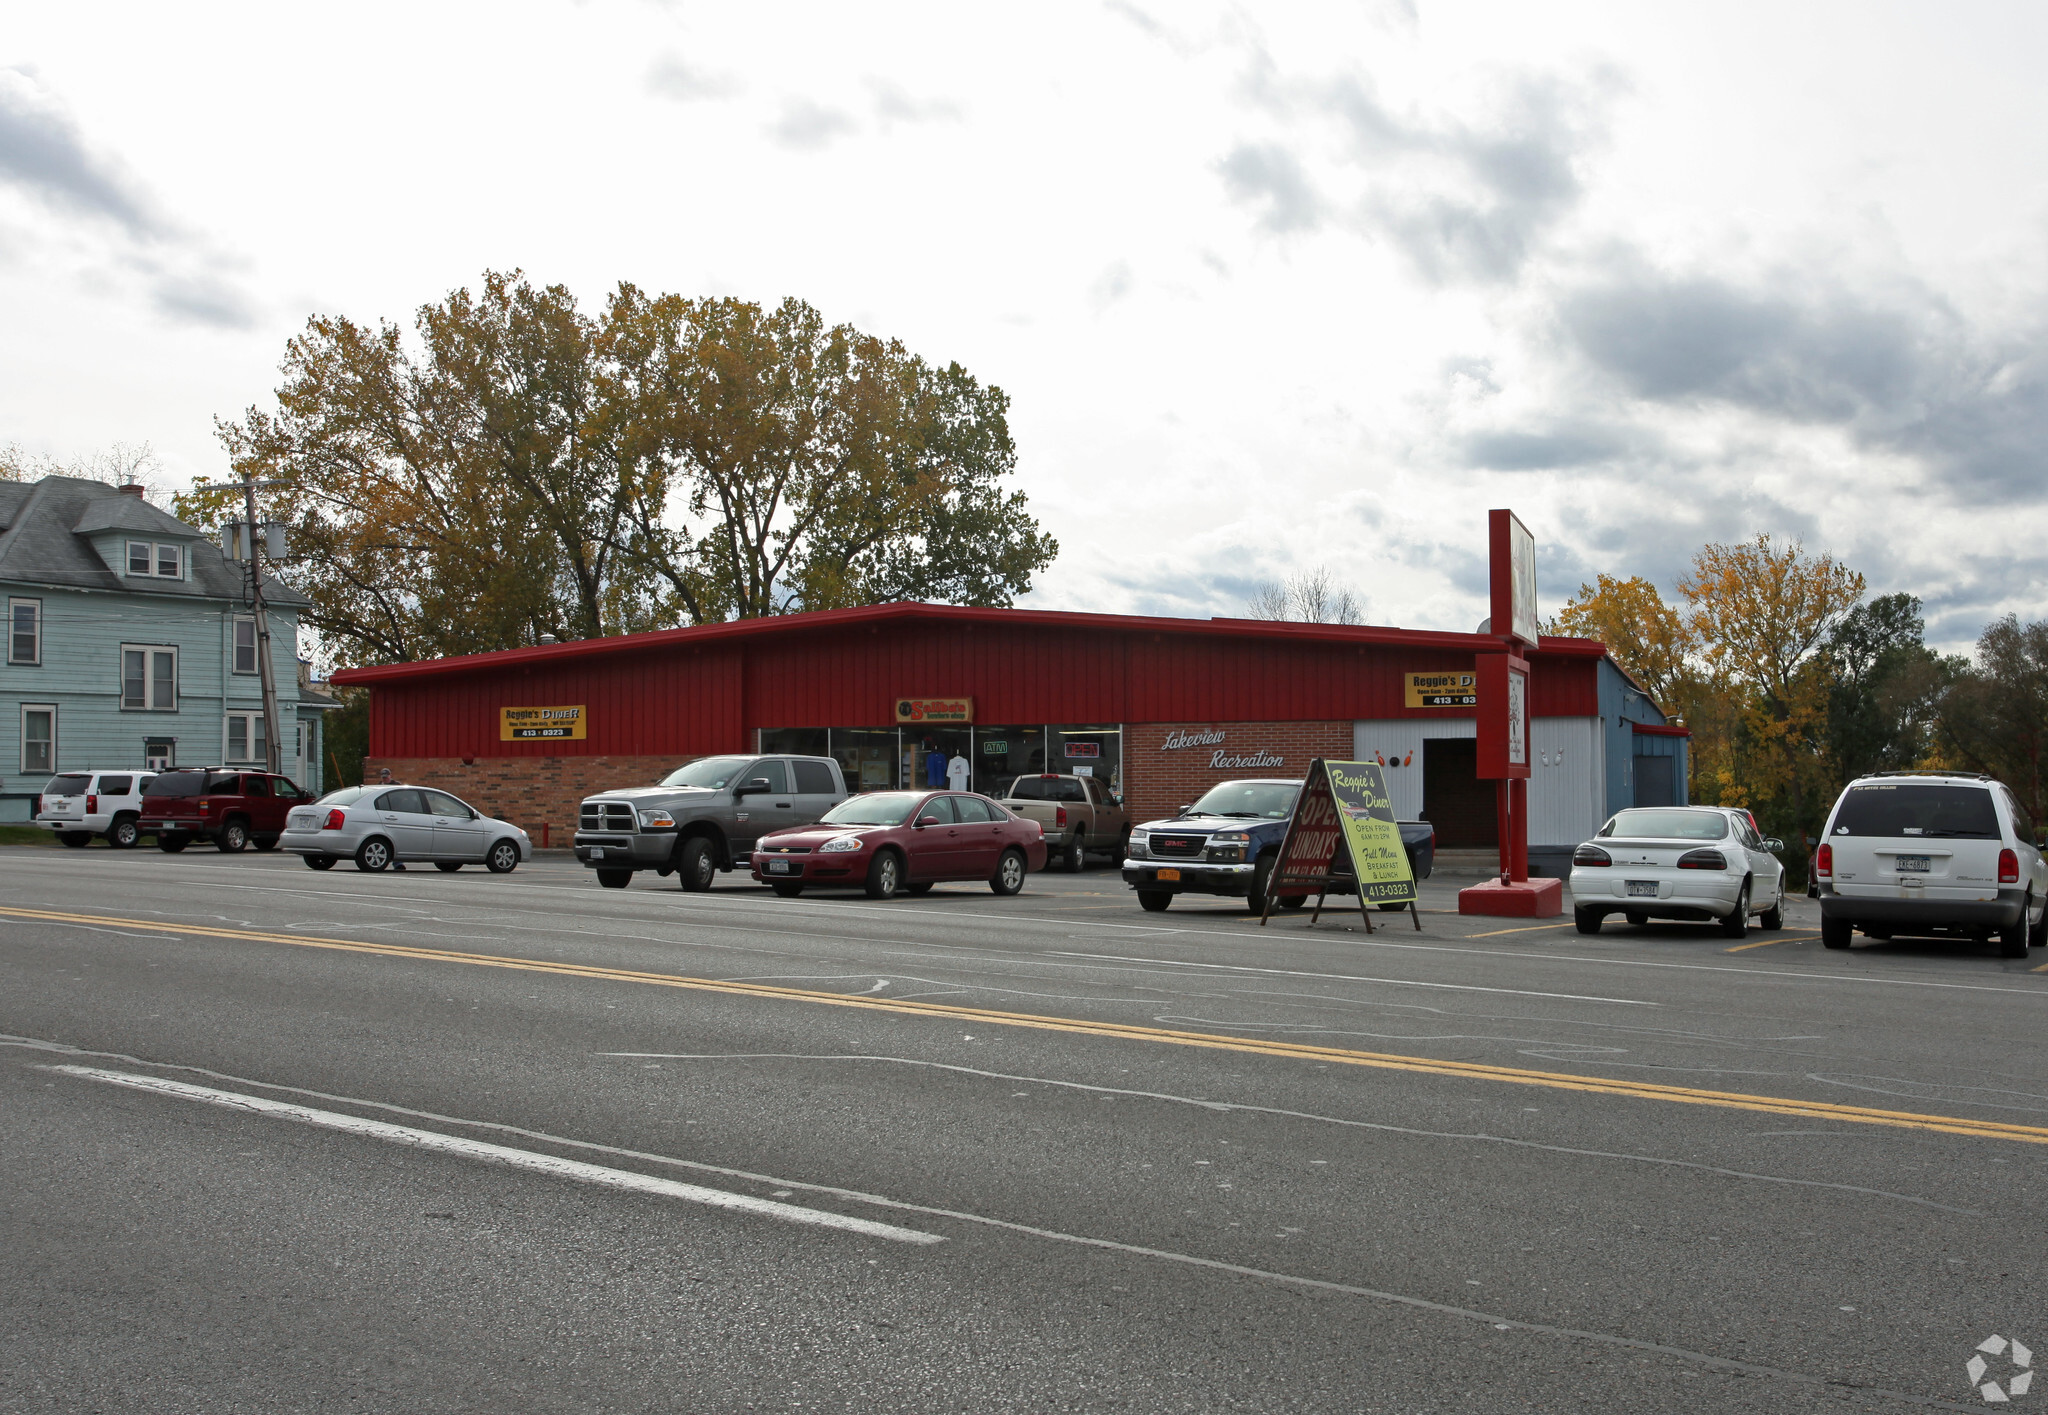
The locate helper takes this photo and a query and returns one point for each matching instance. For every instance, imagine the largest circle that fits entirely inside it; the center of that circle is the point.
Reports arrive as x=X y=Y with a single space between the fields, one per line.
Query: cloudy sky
x=1271 y=286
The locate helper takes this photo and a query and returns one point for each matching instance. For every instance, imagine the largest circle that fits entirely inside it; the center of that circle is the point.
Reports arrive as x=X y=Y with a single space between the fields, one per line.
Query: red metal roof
x=742 y=630
x=1659 y=729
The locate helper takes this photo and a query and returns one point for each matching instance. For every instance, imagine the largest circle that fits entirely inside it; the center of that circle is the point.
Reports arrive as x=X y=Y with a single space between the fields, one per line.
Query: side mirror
x=753 y=788
x=1774 y=845
x=923 y=821
x=1188 y=807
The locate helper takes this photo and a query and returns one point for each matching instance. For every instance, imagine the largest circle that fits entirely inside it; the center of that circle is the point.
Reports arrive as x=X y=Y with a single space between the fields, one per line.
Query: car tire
x=319 y=862
x=374 y=856
x=787 y=889
x=1120 y=850
x=1077 y=855
x=1292 y=902
x=614 y=879
x=1154 y=901
x=2012 y=940
x=885 y=875
x=74 y=839
x=1635 y=916
x=447 y=867
x=1261 y=872
x=1836 y=933
x=502 y=858
x=233 y=838
x=1391 y=908
x=1587 y=921
x=2038 y=934
x=263 y=842
x=923 y=886
x=125 y=835
x=1773 y=918
x=1010 y=872
x=172 y=844
x=1736 y=922
x=696 y=864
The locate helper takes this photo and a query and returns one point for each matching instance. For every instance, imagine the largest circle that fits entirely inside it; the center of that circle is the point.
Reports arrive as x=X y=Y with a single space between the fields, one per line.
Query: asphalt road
x=273 y=1140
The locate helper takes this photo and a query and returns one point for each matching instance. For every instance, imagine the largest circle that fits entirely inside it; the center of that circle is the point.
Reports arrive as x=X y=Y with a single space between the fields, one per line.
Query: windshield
x=67 y=786
x=1895 y=810
x=875 y=808
x=716 y=773
x=1265 y=800
x=343 y=797
x=1047 y=788
x=179 y=783
x=1668 y=825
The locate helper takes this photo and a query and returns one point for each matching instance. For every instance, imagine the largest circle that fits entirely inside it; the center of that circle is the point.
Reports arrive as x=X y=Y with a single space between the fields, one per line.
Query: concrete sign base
x=1520 y=899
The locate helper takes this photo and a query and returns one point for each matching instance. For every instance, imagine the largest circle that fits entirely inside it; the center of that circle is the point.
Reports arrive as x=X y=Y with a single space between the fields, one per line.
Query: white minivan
x=1931 y=854
x=78 y=805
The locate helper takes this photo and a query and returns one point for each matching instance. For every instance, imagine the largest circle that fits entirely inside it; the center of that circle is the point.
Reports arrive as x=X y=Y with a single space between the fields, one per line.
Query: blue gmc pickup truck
x=1226 y=843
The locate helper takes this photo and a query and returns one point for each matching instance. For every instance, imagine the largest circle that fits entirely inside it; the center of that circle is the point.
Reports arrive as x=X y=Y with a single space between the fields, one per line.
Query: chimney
x=133 y=490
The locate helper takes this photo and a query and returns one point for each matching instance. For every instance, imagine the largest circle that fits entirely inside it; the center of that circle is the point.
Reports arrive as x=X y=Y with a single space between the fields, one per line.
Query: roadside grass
x=26 y=835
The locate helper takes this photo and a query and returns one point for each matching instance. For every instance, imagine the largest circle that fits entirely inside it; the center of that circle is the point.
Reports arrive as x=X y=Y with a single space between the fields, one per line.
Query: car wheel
x=125 y=835
x=2038 y=934
x=614 y=879
x=1261 y=872
x=1587 y=921
x=885 y=874
x=788 y=889
x=1154 y=901
x=263 y=842
x=697 y=864
x=503 y=858
x=2012 y=940
x=1122 y=848
x=1736 y=923
x=1392 y=908
x=1077 y=855
x=75 y=839
x=923 y=886
x=373 y=856
x=1836 y=933
x=1773 y=918
x=1636 y=917
x=172 y=844
x=232 y=838
x=447 y=867
x=1291 y=902
x=1009 y=875
x=319 y=862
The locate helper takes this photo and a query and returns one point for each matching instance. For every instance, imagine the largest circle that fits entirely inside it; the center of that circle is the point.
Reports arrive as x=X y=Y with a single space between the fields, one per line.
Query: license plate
x=1642 y=889
x=778 y=867
x=1917 y=864
x=597 y=854
x=1167 y=874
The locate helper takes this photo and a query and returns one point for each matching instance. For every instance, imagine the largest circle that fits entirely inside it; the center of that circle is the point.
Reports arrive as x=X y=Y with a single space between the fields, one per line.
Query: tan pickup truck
x=1077 y=814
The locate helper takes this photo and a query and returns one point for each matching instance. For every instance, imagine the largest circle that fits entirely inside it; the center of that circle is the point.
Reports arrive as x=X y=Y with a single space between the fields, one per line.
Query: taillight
x=1824 y=862
x=2008 y=867
x=1703 y=860
x=335 y=820
x=92 y=804
x=1586 y=856
x=1059 y=815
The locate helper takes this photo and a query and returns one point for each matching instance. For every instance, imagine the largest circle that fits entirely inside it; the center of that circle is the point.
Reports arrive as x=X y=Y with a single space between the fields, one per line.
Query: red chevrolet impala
x=894 y=840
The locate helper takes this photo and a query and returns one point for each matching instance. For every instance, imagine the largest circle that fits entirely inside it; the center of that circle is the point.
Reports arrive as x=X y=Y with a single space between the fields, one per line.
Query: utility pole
x=272 y=729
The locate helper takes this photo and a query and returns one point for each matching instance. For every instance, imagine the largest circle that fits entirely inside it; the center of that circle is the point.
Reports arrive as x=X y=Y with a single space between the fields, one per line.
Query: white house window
x=158 y=753
x=245 y=644
x=246 y=742
x=24 y=631
x=38 y=738
x=149 y=678
x=164 y=562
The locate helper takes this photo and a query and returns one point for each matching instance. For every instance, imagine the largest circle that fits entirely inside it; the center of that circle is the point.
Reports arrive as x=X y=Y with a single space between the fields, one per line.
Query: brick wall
x=1159 y=779
x=528 y=791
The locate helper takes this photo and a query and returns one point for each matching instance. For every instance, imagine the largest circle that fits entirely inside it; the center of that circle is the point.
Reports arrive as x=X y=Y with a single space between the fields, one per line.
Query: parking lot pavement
x=285 y=1140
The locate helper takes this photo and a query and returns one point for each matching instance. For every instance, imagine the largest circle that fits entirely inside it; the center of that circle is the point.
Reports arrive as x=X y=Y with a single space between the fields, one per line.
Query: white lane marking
x=1348 y=978
x=551 y=1165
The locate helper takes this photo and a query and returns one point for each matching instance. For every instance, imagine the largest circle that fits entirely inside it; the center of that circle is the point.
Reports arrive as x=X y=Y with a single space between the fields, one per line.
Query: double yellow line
x=953 y=1012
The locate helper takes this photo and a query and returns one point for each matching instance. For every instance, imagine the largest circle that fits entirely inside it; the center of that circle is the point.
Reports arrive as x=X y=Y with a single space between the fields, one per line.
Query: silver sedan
x=379 y=826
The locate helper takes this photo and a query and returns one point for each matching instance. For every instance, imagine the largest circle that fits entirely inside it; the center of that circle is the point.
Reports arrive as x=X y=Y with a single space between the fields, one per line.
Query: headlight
x=840 y=844
x=657 y=818
x=1231 y=837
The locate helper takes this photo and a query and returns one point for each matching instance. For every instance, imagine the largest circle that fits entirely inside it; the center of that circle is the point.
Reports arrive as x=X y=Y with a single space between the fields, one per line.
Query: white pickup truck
x=1077 y=814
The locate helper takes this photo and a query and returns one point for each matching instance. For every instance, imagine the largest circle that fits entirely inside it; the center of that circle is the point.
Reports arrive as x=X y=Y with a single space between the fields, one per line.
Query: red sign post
x=1503 y=727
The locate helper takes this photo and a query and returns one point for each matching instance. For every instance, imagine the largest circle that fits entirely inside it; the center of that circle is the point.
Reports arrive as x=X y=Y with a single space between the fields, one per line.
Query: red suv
x=230 y=808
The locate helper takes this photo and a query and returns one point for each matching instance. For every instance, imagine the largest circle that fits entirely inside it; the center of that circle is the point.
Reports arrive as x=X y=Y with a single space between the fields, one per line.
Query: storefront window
x=867 y=757
x=929 y=753
x=1089 y=751
x=1002 y=754
x=797 y=741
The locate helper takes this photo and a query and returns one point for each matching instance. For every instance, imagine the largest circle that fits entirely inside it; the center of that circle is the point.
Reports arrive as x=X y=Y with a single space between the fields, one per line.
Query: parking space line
x=1115 y=1031
x=1529 y=929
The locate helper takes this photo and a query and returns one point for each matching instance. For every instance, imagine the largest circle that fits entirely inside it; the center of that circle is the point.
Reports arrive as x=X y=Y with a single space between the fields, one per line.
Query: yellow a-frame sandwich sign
x=1343 y=805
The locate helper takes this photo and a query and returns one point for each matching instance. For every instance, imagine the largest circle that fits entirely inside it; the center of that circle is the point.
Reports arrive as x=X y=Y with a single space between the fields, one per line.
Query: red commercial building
x=1158 y=708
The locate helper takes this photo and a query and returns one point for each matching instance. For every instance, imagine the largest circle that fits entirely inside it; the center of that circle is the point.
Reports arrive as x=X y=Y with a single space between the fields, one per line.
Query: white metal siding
x=1400 y=739
x=1567 y=792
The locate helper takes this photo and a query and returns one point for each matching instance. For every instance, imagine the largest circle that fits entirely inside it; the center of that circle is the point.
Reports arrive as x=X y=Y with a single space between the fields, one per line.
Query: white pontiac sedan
x=379 y=826
x=1679 y=862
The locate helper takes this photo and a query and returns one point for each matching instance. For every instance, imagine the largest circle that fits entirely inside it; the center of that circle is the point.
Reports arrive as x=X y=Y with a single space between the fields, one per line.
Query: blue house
x=130 y=643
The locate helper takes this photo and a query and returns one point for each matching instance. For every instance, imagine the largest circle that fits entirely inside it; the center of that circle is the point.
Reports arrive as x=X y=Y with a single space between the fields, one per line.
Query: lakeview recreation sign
x=1343 y=804
x=528 y=724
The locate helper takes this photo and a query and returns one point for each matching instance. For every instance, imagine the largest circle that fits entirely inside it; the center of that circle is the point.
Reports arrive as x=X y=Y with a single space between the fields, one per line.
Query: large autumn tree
x=521 y=467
